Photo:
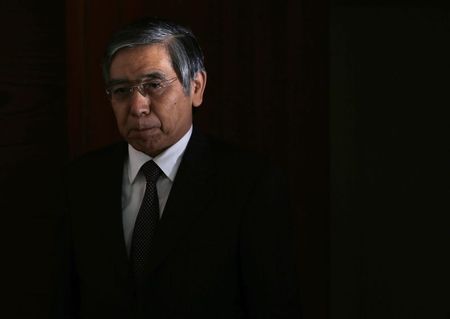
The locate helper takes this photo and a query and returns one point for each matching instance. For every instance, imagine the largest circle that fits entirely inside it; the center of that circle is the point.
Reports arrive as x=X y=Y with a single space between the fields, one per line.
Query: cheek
x=175 y=113
x=168 y=113
x=173 y=117
x=121 y=117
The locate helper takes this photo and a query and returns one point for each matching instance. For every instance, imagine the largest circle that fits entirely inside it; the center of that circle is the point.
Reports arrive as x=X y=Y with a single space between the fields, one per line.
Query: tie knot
x=151 y=171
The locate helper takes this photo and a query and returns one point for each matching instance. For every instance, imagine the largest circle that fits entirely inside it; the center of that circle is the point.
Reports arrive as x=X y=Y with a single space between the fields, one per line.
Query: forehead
x=139 y=61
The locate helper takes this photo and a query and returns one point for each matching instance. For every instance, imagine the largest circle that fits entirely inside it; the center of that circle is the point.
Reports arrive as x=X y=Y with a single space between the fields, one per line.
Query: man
x=221 y=244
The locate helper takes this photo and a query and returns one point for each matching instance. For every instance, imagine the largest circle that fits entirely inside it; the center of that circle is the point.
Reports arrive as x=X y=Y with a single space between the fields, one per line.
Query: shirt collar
x=168 y=161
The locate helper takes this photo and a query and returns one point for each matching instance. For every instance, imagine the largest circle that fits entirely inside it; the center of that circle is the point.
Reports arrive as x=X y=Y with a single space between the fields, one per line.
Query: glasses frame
x=139 y=86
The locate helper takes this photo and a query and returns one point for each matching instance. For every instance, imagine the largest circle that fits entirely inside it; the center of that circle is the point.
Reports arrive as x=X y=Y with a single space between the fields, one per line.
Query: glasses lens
x=121 y=92
x=153 y=88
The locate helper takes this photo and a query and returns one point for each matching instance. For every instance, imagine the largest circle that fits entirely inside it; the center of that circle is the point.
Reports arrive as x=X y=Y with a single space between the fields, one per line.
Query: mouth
x=144 y=128
x=143 y=131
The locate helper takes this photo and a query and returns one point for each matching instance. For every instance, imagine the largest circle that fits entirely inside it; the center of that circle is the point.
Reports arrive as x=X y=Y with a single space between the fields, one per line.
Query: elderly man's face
x=157 y=113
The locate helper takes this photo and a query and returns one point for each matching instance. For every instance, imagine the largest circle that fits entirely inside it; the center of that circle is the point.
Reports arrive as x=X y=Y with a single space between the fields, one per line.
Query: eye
x=120 y=91
x=152 y=85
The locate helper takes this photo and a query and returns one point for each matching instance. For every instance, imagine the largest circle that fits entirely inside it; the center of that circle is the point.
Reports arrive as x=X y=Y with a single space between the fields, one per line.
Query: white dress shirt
x=133 y=181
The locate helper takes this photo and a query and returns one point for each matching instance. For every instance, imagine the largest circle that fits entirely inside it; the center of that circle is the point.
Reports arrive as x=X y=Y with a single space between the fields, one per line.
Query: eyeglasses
x=154 y=88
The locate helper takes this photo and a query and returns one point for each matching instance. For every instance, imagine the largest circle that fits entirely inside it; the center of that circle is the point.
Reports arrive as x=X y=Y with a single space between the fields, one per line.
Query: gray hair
x=182 y=46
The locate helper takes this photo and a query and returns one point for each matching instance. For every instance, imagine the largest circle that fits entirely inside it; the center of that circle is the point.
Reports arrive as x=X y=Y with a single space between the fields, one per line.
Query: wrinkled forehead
x=141 y=61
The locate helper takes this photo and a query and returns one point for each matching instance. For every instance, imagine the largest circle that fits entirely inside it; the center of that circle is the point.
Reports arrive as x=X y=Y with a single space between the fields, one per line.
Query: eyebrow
x=148 y=76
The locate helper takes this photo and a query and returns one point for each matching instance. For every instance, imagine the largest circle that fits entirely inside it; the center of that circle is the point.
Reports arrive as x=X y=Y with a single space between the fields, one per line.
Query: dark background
x=350 y=98
x=389 y=111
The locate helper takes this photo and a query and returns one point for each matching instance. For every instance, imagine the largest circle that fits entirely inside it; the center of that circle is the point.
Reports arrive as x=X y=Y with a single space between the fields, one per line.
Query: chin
x=150 y=148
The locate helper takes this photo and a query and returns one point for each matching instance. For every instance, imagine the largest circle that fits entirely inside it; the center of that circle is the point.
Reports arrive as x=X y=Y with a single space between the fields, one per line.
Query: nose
x=139 y=103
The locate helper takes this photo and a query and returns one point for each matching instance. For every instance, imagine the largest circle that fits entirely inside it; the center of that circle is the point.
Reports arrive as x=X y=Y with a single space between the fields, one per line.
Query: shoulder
x=230 y=158
x=98 y=160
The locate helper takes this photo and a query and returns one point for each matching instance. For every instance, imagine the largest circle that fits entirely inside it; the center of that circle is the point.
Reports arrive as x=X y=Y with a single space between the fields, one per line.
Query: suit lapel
x=188 y=197
x=113 y=208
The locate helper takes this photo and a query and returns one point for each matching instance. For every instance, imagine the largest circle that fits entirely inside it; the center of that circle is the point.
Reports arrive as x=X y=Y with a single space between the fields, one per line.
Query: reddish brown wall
x=267 y=91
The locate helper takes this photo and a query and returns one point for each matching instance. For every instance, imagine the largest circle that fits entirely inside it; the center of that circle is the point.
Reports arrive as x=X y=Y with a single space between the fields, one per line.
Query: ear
x=197 y=88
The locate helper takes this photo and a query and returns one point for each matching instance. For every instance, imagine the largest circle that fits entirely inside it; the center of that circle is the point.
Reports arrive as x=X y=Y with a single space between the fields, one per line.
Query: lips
x=144 y=124
x=143 y=132
x=144 y=127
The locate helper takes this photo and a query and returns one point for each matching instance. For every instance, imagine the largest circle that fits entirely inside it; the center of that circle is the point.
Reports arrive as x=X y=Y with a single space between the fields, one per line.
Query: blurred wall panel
x=33 y=147
x=389 y=135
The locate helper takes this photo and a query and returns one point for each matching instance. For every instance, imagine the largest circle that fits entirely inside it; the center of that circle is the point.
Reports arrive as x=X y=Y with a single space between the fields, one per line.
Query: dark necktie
x=146 y=220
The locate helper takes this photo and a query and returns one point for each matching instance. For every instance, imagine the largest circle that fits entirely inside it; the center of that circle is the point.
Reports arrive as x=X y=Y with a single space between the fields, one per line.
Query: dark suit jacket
x=224 y=247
